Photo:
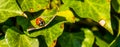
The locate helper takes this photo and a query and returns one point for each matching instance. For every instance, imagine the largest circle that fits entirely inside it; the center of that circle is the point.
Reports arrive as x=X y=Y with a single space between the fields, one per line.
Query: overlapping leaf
x=24 y=22
x=101 y=43
x=96 y=10
x=85 y=38
x=15 y=39
x=33 y=5
x=115 y=42
x=116 y=5
x=9 y=8
x=50 y=32
x=3 y=43
x=47 y=16
x=68 y=15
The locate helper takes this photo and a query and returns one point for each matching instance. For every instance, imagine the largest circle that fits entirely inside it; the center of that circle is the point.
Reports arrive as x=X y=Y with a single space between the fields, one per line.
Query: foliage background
x=68 y=23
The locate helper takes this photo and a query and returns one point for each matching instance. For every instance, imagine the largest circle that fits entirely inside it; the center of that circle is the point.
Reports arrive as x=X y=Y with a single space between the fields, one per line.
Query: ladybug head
x=40 y=22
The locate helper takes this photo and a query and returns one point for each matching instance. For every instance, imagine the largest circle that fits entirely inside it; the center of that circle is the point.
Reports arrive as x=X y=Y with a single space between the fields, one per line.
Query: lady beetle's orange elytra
x=40 y=22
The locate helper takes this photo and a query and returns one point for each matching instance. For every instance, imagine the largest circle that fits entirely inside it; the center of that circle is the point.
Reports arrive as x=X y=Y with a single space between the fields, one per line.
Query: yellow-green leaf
x=68 y=15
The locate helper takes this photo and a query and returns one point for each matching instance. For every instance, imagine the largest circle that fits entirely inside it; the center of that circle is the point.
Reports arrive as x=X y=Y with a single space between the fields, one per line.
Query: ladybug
x=40 y=22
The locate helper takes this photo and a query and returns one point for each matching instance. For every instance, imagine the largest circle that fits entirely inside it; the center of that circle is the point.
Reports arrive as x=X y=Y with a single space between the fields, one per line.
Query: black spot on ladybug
x=41 y=22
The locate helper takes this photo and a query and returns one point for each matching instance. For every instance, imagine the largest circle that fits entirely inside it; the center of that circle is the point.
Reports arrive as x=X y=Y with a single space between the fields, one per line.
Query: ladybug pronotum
x=40 y=22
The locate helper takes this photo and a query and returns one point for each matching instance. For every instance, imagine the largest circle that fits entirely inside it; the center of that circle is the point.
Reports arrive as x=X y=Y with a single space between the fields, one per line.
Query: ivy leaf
x=50 y=32
x=9 y=8
x=68 y=15
x=115 y=42
x=101 y=43
x=23 y=22
x=3 y=43
x=98 y=11
x=33 y=5
x=85 y=38
x=47 y=16
x=116 y=5
x=89 y=38
x=15 y=39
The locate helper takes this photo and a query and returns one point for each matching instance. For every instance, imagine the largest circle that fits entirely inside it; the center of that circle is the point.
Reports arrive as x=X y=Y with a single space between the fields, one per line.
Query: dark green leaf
x=101 y=43
x=115 y=42
x=24 y=22
x=116 y=5
x=85 y=38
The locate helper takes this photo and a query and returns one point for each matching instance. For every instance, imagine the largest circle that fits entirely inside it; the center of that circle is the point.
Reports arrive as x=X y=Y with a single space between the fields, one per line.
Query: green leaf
x=85 y=38
x=50 y=32
x=115 y=42
x=15 y=39
x=101 y=43
x=98 y=11
x=24 y=22
x=33 y=5
x=116 y=5
x=89 y=38
x=47 y=16
x=3 y=43
x=64 y=7
x=9 y=8
x=68 y=15
x=55 y=4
